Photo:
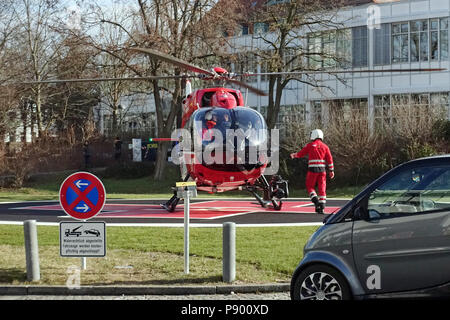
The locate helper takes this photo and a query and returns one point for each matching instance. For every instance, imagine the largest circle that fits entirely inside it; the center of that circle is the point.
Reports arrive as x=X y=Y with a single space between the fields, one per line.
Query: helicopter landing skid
x=273 y=191
x=261 y=201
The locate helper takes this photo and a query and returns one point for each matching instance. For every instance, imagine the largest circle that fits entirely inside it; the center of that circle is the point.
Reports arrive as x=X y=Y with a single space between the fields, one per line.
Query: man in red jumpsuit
x=319 y=157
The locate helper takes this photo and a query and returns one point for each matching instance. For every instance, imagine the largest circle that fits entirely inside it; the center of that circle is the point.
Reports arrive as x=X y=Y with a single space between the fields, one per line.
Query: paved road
x=236 y=296
x=143 y=212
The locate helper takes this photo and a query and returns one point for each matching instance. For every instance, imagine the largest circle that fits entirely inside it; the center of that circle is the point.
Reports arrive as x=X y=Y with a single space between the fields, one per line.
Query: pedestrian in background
x=86 y=155
x=117 y=148
x=319 y=158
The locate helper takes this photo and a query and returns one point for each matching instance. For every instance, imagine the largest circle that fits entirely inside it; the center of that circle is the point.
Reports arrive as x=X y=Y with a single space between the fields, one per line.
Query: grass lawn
x=46 y=187
x=154 y=255
x=146 y=256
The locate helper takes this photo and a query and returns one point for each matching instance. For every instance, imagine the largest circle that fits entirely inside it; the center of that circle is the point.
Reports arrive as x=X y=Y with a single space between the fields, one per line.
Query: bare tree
x=285 y=31
x=11 y=105
x=185 y=29
x=115 y=62
x=41 y=45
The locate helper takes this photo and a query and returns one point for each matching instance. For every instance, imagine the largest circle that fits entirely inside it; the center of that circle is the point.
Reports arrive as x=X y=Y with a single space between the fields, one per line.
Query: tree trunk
x=39 y=112
x=273 y=109
x=161 y=161
x=114 y=121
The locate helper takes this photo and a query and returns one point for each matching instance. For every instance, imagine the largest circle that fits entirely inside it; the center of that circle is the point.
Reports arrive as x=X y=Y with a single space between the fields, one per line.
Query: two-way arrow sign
x=82 y=195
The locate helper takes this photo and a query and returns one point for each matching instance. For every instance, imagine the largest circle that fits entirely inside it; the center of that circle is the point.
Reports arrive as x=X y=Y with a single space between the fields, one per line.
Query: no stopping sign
x=82 y=195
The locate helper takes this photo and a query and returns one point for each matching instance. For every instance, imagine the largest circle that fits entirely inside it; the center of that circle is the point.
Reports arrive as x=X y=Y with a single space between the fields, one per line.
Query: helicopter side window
x=206 y=99
x=235 y=96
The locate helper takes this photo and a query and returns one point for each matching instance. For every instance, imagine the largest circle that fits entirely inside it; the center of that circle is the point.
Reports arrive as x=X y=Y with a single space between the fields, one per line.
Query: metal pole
x=229 y=252
x=186 y=231
x=83 y=259
x=31 y=250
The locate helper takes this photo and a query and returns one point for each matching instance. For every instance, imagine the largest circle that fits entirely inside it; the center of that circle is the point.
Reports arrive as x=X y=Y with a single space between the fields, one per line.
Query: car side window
x=411 y=191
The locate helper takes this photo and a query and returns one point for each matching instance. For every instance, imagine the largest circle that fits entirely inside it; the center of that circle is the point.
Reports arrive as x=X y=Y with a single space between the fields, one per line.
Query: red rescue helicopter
x=207 y=114
x=218 y=109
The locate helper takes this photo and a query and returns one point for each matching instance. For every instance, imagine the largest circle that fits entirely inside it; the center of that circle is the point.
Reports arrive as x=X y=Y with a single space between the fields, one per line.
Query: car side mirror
x=361 y=213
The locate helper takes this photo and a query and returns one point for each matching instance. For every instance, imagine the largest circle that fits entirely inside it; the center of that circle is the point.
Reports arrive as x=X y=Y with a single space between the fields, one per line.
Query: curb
x=142 y=290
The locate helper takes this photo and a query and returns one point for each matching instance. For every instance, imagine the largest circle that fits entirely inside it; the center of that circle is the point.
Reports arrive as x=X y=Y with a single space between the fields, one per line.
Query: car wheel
x=321 y=282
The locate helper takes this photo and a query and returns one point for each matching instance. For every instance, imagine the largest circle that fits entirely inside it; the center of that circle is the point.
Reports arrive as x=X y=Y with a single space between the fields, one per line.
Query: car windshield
x=210 y=123
x=413 y=190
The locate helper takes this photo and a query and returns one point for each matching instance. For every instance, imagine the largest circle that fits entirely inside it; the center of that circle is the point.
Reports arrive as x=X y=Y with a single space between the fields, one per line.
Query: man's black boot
x=320 y=208
x=315 y=200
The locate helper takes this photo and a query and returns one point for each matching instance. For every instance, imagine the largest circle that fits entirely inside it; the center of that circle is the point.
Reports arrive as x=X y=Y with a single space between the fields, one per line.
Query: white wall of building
x=368 y=85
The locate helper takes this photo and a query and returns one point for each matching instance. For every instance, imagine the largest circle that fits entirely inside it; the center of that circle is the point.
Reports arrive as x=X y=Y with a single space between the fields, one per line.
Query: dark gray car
x=391 y=240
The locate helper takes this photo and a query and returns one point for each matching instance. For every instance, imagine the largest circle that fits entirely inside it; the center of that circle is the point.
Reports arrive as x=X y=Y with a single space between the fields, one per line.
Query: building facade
x=403 y=34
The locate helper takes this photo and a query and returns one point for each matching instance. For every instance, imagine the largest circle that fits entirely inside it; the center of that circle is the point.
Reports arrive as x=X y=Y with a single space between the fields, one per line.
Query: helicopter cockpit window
x=210 y=122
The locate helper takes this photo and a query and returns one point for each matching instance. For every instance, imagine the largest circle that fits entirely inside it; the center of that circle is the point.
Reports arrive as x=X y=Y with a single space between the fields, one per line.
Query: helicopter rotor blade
x=175 y=61
x=105 y=79
x=339 y=72
x=243 y=84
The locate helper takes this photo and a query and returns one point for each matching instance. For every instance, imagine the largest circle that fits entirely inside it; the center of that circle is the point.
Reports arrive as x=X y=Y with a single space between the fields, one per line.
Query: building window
x=291 y=115
x=260 y=28
x=400 y=38
x=443 y=39
x=382 y=45
x=413 y=41
x=314 y=51
x=246 y=62
x=420 y=107
x=434 y=39
x=316 y=113
x=245 y=30
x=382 y=111
x=359 y=47
x=419 y=40
x=346 y=111
x=344 y=48
x=439 y=103
x=291 y=59
x=329 y=49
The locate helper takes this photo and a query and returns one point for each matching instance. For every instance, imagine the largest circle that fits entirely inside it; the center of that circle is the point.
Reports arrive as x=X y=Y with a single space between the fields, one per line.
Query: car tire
x=321 y=282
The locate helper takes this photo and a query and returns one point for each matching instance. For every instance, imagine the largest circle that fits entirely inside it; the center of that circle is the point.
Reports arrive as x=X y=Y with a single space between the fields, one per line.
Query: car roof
x=434 y=157
x=426 y=160
x=420 y=161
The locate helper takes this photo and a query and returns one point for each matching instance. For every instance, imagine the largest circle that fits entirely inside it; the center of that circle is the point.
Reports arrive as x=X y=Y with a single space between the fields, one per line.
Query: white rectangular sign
x=82 y=239
x=137 y=151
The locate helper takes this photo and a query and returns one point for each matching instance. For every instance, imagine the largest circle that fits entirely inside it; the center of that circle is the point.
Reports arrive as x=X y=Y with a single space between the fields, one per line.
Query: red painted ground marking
x=202 y=210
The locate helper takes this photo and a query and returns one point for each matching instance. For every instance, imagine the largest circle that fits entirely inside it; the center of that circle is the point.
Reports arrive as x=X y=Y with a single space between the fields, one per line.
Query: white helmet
x=316 y=134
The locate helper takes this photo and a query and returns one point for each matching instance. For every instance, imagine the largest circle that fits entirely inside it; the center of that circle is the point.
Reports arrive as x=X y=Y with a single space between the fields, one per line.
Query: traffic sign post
x=82 y=196
x=187 y=190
